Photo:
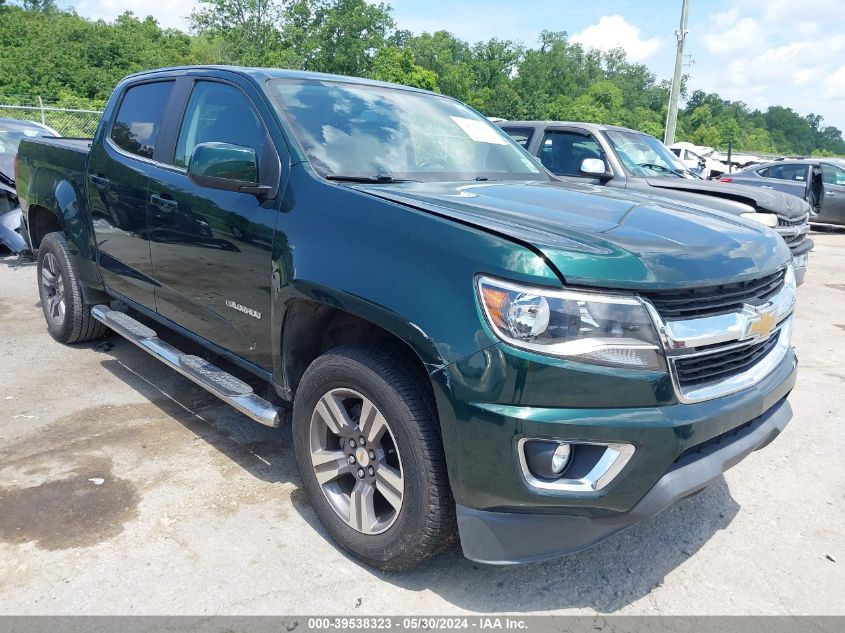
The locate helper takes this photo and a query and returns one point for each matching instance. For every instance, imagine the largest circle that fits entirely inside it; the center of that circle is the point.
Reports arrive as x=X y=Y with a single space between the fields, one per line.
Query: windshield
x=353 y=131
x=643 y=155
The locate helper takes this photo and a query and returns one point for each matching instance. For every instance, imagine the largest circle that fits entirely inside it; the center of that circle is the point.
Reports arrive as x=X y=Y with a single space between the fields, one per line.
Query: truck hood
x=609 y=238
x=766 y=200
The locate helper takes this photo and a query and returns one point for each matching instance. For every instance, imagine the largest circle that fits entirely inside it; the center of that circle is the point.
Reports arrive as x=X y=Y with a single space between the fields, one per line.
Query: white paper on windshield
x=479 y=131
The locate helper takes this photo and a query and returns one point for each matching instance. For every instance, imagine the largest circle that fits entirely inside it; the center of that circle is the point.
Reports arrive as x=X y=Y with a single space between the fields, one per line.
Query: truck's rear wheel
x=371 y=459
x=68 y=317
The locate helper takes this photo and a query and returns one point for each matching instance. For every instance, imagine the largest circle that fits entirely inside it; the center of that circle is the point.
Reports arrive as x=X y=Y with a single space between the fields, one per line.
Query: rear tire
x=67 y=314
x=409 y=512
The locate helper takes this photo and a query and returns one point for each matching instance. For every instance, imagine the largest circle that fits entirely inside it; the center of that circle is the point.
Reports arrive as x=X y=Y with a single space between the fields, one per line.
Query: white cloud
x=741 y=34
x=775 y=52
x=615 y=31
x=170 y=13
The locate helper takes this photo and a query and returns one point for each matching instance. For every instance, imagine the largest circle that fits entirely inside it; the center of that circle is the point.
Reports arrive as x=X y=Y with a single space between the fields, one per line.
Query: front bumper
x=800 y=259
x=490 y=401
x=509 y=537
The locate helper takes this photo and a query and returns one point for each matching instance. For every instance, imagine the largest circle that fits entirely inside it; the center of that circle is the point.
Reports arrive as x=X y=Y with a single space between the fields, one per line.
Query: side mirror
x=227 y=167
x=594 y=168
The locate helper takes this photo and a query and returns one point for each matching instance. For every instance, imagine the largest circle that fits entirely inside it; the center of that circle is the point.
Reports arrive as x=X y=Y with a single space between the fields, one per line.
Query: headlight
x=766 y=219
x=789 y=277
x=582 y=326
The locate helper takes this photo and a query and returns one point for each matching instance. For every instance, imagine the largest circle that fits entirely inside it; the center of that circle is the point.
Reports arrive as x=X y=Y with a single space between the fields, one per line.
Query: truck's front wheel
x=371 y=459
x=68 y=317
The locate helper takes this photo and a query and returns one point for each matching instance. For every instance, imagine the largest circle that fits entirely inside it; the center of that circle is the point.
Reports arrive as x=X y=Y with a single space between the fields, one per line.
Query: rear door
x=787 y=177
x=118 y=178
x=211 y=249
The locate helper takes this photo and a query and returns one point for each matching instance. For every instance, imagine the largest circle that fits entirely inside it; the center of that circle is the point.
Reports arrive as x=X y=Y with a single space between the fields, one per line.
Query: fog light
x=560 y=458
x=547 y=459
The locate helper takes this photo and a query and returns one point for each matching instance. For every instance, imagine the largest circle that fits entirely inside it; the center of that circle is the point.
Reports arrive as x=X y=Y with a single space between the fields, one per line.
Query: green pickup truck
x=462 y=344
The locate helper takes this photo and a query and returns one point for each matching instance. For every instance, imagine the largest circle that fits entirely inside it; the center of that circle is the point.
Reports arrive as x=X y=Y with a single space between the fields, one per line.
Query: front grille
x=794 y=222
x=721 y=364
x=701 y=302
x=794 y=231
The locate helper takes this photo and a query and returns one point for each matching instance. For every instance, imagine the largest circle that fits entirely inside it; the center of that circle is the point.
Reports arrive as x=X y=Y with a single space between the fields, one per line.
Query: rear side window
x=764 y=172
x=139 y=118
x=521 y=135
x=789 y=172
x=563 y=152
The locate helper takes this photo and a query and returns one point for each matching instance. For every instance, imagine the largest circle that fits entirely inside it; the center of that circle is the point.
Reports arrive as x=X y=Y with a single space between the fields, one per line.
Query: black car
x=821 y=182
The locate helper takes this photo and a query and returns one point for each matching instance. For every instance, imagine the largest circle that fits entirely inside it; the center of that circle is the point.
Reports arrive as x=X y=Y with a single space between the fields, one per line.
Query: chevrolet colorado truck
x=463 y=344
x=612 y=156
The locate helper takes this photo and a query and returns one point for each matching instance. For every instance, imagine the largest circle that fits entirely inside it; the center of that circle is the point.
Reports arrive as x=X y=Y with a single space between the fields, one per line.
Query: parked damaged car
x=820 y=182
x=611 y=156
x=12 y=132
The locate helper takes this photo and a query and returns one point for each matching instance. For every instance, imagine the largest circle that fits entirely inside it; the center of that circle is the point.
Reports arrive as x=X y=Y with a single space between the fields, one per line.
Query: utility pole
x=672 y=116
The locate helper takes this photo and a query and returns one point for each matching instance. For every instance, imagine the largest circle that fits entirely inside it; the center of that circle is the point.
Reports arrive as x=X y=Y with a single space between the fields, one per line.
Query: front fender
x=407 y=271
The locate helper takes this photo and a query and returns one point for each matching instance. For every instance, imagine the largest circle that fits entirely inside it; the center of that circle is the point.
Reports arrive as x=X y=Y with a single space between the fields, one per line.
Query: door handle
x=100 y=182
x=165 y=204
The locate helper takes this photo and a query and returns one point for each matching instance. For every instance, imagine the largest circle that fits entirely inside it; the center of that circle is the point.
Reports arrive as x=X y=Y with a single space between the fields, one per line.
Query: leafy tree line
x=56 y=53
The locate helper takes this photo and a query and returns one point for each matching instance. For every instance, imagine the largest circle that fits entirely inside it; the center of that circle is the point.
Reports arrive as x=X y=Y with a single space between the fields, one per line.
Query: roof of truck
x=279 y=73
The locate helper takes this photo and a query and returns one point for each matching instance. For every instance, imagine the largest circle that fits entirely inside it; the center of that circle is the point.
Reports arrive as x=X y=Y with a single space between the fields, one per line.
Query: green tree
x=347 y=34
x=554 y=79
x=246 y=31
x=397 y=65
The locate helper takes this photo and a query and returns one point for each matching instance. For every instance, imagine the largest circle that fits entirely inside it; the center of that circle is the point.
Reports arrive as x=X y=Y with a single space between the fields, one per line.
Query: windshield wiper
x=379 y=178
x=660 y=168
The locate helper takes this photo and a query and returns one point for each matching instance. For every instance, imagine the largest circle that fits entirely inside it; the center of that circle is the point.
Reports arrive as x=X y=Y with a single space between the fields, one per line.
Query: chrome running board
x=207 y=375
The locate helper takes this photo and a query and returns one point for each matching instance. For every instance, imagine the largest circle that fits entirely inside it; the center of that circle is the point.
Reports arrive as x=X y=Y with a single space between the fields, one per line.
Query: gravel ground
x=124 y=489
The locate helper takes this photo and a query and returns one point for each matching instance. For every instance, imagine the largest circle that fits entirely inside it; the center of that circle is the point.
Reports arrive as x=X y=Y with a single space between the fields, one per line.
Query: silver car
x=819 y=181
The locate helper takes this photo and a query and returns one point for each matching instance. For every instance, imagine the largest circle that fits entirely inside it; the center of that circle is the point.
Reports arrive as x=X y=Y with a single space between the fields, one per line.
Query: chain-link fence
x=74 y=122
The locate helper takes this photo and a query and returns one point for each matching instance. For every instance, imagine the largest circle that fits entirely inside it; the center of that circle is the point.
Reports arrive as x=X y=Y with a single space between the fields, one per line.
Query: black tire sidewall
x=385 y=549
x=53 y=245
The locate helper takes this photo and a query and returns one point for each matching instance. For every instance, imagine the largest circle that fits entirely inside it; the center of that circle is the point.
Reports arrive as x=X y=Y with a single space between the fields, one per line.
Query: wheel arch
x=310 y=327
x=40 y=221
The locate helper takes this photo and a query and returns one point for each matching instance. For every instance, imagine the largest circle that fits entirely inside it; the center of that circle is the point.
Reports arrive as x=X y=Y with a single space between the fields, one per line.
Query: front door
x=117 y=185
x=563 y=151
x=211 y=249
x=833 y=198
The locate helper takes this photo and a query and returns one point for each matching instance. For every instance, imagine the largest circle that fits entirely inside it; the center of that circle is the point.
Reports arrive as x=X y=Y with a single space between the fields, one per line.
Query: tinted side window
x=764 y=172
x=833 y=175
x=521 y=135
x=218 y=113
x=139 y=117
x=789 y=172
x=563 y=152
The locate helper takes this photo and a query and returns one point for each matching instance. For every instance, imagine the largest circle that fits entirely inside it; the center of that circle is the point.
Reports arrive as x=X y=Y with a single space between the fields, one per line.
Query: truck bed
x=76 y=144
x=66 y=156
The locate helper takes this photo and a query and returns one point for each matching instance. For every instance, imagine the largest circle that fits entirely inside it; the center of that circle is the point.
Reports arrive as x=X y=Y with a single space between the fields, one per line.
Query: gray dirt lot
x=124 y=489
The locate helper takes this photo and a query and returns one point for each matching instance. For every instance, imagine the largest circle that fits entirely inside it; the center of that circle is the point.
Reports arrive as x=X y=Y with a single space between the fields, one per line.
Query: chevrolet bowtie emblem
x=762 y=325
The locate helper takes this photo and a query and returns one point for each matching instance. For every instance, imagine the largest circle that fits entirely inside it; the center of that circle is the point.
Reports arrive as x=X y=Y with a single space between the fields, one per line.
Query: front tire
x=67 y=314
x=385 y=499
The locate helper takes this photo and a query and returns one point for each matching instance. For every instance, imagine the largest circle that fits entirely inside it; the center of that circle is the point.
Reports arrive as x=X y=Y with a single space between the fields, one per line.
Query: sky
x=762 y=52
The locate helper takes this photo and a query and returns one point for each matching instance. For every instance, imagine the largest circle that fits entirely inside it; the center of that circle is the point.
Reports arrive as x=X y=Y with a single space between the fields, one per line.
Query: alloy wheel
x=53 y=286
x=356 y=461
